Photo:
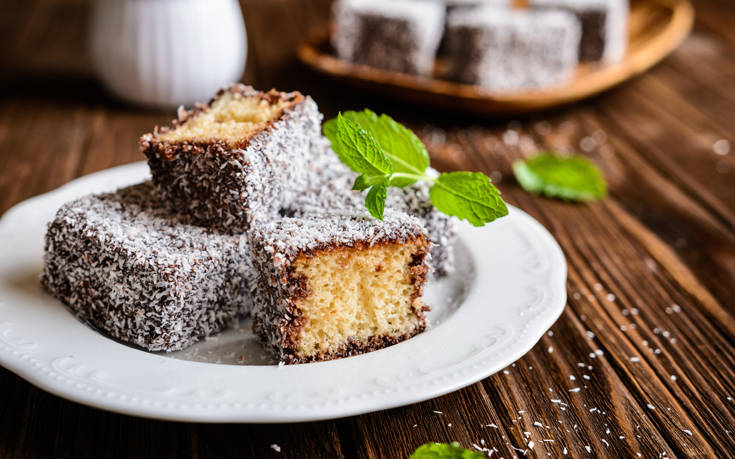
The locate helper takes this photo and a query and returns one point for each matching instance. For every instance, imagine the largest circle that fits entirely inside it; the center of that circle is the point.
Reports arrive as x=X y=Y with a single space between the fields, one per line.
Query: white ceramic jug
x=167 y=53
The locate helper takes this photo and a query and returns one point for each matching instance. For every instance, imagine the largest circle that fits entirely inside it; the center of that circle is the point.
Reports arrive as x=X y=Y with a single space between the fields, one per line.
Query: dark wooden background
x=648 y=332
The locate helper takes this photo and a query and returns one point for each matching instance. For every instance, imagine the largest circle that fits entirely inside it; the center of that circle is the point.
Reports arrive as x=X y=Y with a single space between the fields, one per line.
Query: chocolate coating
x=145 y=275
x=221 y=185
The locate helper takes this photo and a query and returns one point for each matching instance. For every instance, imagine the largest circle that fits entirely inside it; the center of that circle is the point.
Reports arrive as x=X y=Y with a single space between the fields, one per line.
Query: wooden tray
x=655 y=29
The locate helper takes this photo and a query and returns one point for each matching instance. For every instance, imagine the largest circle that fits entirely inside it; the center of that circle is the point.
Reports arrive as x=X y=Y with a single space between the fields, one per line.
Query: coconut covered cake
x=143 y=274
x=249 y=212
x=329 y=188
x=338 y=285
x=245 y=151
x=604 y=26
x=508 y=50
x=397 y=35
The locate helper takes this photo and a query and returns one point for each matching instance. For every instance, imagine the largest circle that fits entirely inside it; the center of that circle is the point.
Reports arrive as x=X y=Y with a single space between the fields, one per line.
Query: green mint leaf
x=360 y=184
x=385 y=153
x=573 y=178
x=359 y=151
x=375 y=201
x=444 y=451
x=330 y=132
x=363 y=182
x=406 y=152
x=468 y=195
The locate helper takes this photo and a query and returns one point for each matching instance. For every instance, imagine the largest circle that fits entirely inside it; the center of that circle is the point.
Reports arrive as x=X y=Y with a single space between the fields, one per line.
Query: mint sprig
x=375 y=201
x=572 y=178
x=385 y=153
x=444 y=451
x=360 y=151
x=468 y=195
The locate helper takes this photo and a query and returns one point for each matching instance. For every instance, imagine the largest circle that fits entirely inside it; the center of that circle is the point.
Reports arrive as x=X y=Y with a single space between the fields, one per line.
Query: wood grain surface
x=641 y=362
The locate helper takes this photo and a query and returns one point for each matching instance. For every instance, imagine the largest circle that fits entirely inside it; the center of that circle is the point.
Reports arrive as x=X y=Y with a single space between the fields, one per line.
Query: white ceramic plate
x=509 y=289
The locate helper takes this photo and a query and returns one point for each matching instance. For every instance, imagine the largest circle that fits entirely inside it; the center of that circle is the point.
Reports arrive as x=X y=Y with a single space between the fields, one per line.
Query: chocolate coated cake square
x=604 y=26
x=244 y=152
x=338 y=285
x=506 y=50
x=142 y=274
x=397 y=35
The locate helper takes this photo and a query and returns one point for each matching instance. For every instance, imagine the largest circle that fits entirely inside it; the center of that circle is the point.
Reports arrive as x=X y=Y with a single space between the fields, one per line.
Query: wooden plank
x=683 y=149
x=634 y=183
x=454 y=417
x=114 y=137
x=665 y=237
x=53 y=427
x=595 y=265
x=273 y=56
x=44 y=38
x=45 y=163
x=718 y=16
x=697 y=236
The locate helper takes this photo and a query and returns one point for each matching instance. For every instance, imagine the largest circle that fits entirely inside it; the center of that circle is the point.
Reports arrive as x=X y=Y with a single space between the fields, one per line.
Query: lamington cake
x=143 y=274
x=338 y=285
x=456 y=5
x=329 y=188
x=398 y=35
x=506 y=50
x=604 y=26
x=244 y=152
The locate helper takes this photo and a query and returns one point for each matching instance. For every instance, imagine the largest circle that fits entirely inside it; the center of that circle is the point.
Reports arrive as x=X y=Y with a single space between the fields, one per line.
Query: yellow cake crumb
x=231 y=118
x=356 y=294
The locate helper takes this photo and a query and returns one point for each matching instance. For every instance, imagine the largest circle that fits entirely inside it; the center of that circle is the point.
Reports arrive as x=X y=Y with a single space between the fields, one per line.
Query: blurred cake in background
x=604 y=26
x=454 y=5
x=499 y=45
x=505 y=49
x=398 y=35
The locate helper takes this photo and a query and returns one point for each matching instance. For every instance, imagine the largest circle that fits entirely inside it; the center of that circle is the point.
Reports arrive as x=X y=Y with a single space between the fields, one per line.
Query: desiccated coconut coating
x=282 y=316
x=329 y=189
x=455 y=5
x=397 y=35
x=143 y=274
x=604 y=26
x=220 y=179
x=506 y=50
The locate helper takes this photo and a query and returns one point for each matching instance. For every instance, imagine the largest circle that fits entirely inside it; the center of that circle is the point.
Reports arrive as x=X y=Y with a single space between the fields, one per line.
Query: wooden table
x=648 y=333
